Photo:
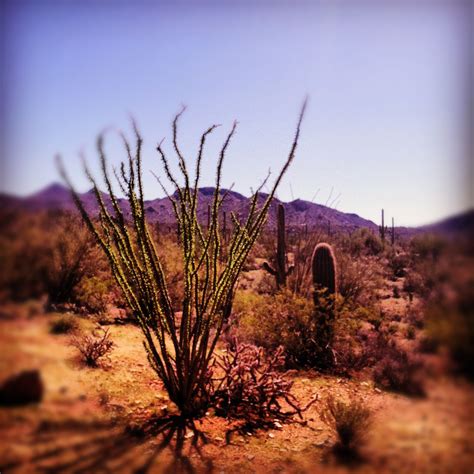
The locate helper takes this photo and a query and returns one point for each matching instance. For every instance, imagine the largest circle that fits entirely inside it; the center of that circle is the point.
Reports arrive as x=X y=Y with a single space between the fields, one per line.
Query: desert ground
x=117 y=417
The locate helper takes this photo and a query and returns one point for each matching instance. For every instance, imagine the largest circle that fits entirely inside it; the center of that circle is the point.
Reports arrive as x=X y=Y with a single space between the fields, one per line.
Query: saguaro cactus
x=325 y=288
x=392 y=235
x=382 y=228
x=280 y=271
x=324 y=271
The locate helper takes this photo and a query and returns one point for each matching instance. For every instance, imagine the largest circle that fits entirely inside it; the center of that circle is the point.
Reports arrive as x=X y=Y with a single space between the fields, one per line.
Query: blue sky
x=387 y=124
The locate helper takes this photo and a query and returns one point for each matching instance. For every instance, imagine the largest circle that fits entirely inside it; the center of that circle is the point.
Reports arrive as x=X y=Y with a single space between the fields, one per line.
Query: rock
x=22 y=388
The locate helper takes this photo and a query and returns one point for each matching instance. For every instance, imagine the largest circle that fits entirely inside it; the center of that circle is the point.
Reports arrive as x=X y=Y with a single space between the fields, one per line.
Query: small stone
x=320 y=444
x=377 y=390
x=22 y=388
x=250 y=457
x=218 y=438
x=189 y=435
x=277 y=424
x=271 y=435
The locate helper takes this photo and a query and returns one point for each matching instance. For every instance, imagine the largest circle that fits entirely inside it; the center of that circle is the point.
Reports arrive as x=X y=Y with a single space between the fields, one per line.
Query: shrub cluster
x=283 y=319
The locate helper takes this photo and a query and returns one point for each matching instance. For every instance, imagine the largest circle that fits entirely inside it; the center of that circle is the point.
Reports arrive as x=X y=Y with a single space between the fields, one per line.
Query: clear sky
x=388 y=120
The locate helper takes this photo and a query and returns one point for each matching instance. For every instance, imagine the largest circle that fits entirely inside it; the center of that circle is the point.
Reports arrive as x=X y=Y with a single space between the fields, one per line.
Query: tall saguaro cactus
x=382 y=228
x=392 y=234
x=325 y=289
x=280 y=272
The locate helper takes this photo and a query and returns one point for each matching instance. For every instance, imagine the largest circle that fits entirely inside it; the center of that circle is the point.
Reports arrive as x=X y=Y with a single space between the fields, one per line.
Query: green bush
x=93 y=294
x=64 y=324
x=364 y=242
x=283 y=319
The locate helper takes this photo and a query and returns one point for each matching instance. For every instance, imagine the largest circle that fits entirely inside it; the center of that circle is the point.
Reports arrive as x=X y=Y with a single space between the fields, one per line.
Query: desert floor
x=90 y=419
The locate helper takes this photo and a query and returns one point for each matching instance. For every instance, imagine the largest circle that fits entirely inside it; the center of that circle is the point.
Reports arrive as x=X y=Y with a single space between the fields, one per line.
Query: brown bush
x=253 y=387
x=400 y=372
x=350 y=421
x=44 y=253
x=93 y=347
x=64 y=324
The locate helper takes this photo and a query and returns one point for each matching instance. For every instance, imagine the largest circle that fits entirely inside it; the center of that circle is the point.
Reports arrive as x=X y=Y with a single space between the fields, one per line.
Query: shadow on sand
x=157 y=445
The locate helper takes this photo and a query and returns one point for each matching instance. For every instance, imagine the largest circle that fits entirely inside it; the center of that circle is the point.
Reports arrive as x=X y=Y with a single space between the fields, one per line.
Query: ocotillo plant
x=280 y=272
x=179 y=348
x=325 y=288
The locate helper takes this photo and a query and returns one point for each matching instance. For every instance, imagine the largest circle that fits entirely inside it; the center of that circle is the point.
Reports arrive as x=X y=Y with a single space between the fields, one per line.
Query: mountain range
x=299 y=212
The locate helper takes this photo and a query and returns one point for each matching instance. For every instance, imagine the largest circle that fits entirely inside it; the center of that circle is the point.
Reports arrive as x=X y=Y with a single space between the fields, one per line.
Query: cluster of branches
x=179 y=349
x=253 y=386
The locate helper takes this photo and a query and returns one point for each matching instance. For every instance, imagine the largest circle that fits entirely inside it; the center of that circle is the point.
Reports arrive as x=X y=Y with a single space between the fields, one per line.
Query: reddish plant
x=93 y=347
x=253 y=388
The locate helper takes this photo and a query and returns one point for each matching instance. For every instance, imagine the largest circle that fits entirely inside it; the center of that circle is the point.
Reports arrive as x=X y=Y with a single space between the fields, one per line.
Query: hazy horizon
x=387 y=124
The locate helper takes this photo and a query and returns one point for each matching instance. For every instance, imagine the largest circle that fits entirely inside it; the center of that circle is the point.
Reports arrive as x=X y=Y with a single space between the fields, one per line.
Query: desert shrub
x=392 y=328
x=350 y=421
x=364 y=242
x=252 y=387
x=64 y=324
x=93 y=347
x=427 y=246
x=450 y=322
x=415 y=317
x=410 y=332
x=414 y=284
x=358 y=279
x=399 y=372
x=92 y=294
x=284 y=319
x=38 y=256
x=397 y=263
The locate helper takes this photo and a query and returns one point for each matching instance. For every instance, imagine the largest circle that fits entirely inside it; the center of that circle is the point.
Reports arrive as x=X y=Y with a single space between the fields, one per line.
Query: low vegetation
x=350 y=421
x=93 y=347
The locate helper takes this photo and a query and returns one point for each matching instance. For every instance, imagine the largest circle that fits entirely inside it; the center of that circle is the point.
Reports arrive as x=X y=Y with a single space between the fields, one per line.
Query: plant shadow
x=166 y=445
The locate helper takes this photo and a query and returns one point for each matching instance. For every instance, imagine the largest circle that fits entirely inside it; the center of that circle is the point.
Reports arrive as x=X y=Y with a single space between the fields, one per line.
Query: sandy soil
x=89 y=419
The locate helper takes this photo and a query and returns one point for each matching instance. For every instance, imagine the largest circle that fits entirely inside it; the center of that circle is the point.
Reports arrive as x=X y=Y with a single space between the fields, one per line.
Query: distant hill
x=460 y=223
x=299 y=213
